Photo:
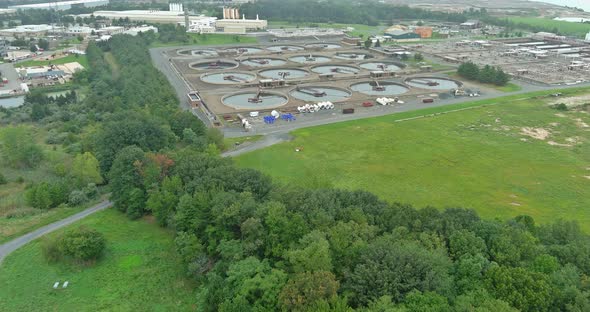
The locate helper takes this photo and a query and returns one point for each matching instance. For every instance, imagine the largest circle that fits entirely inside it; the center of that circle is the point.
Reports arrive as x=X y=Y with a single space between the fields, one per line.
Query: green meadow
x=140 y=271
x=482 y=157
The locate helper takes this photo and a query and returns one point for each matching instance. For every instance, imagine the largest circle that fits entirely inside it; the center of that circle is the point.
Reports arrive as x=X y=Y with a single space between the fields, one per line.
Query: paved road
x=7 y=248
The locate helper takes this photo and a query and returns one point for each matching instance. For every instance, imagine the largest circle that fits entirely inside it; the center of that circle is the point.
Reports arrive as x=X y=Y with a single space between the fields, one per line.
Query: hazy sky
x=583 y=4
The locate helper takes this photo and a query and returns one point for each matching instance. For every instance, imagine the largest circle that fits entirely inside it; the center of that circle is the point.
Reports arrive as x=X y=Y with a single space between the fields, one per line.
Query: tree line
x=368 y=13
x=485 y=74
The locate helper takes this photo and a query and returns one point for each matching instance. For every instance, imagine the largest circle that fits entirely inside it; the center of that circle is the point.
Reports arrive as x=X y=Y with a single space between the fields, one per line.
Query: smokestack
x=256 y=16
x=244 y=16
x=186 y=22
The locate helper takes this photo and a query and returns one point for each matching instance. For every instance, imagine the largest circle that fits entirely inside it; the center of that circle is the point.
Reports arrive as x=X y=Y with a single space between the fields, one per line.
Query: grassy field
x=476 y=158
x=67 y=59
x=567 y=28
x=209 y=39
x=140 y=271
x=359 y=29
x=435 y=66
x=509 y=87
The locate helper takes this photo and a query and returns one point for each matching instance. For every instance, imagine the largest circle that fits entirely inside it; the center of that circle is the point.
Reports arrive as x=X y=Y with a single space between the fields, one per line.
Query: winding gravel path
x=7 y=248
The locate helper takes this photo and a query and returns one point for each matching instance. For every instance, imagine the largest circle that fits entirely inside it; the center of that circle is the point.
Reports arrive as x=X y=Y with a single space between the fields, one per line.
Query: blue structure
x=269 y=119
x=288 y=117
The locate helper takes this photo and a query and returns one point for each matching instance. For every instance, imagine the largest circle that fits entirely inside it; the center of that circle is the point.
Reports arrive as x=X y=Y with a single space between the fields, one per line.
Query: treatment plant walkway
x=7 y=248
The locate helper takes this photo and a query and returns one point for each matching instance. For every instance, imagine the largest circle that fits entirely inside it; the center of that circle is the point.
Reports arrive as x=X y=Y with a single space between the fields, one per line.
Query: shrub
x=21 y=213
x=560 y=106
x=47 y=195
x=77 y=197
x=82 y=244
x=3 y=179
x=91 y=191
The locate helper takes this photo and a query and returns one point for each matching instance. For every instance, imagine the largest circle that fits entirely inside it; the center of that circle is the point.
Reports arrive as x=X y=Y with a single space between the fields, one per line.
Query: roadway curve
x=7 y=248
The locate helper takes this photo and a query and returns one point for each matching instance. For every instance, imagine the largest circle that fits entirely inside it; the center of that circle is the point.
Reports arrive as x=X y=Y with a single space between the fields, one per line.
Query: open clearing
x=477 y=158
x=140 y=271
x=566 y=28
x=62 y=60
x=209 y=39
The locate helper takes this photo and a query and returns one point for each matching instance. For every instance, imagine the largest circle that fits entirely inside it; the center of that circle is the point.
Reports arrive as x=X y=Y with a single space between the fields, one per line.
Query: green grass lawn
x=509 y=87
x=435 y=66
x=476 y=158
x=209 y=39
x=568 y=28
x=140 y=271
x=67 y=59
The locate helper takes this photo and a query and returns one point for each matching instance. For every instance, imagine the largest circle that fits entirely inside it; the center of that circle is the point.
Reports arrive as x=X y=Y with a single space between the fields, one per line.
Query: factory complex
x=232 y=22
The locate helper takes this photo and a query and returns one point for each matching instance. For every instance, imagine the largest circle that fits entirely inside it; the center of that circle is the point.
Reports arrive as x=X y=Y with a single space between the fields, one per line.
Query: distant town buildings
x=471 y=24
x=232 y=22
x=401 y=32
x=60 y=6
x=29 y=31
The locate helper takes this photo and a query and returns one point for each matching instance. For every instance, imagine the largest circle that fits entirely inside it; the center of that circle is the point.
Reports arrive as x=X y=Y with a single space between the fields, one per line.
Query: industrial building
x=400 y=34
x=424 y=32
x=30 y=31
x=232 y=23
x=61 y=6
x=163 y=17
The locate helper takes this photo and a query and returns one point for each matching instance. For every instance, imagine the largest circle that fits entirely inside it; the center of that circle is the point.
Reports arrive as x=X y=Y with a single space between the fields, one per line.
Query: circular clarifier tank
x=243 y=50
x=198 y=52
x=285 y=48
x=284 y=73
x=327 y=46
x=309 y=59
x=213 y=65
x=335 y=69
x=384 y=66
x=320 y=93
x=353 y=56
x=255 y=100
x=228 y=78
x=433 y=83
x=263 y=62
x=379 y=88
